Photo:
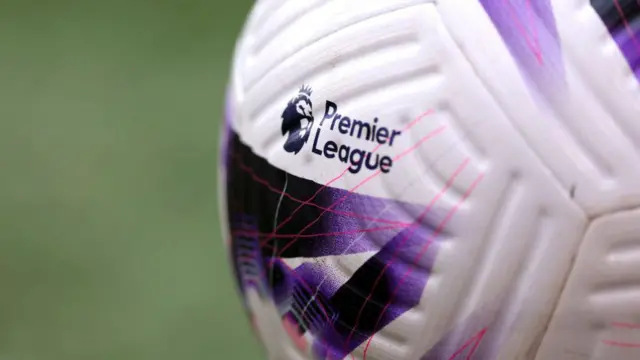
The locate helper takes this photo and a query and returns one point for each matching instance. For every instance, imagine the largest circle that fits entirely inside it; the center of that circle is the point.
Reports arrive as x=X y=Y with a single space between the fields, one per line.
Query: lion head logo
x=297 y=120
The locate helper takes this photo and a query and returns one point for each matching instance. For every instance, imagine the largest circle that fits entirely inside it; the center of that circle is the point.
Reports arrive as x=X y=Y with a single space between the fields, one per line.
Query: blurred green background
x=109 y=232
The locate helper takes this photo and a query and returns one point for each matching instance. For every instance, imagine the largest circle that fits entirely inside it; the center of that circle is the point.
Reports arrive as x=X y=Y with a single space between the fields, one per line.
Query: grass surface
x=109 y=232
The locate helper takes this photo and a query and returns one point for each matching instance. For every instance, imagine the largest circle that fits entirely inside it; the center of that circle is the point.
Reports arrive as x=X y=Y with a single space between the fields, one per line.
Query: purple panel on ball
x=529 y=30
x=627 y=40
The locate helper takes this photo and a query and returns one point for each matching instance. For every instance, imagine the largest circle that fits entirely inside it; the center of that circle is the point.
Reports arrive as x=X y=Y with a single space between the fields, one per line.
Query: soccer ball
x=437 y=179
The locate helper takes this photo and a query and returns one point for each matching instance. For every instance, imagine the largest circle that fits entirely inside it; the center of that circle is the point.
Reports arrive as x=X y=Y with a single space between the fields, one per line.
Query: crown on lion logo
x=306 y=90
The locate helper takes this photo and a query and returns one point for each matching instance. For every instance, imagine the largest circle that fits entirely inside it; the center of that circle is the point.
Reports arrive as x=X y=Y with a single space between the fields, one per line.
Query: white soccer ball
x=437 y=179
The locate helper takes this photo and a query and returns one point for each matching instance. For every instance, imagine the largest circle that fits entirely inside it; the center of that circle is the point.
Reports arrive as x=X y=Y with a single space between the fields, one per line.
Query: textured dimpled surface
x=415 y=179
